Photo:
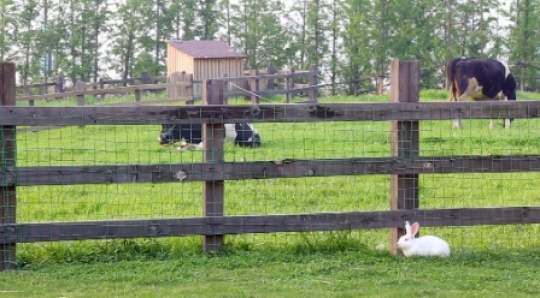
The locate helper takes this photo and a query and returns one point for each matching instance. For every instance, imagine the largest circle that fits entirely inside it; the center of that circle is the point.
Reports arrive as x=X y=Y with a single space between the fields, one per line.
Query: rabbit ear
x=407 y=228
x=414 y=228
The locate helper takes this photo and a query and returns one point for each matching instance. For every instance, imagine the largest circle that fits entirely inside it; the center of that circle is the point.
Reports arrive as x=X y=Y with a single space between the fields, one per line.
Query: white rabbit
x=422 y=246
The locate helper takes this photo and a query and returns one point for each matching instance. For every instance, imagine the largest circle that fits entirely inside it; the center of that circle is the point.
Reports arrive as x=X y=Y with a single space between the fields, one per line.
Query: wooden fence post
x=271 y=85
x=80 y=86
x=245 y=84
x=213 y=135
x=355 y=86
x=289 y=84
x=59 y=85
x=254 y=85
x=313 y=72
x=145 y=78
x=181 y=90
x=380 y=84
x=172 y=92
x=404 y=87
x=227 y=87
x=26 y=92
x=102 y=86
x=189 y=89
x=8 y=137
x=137 y=93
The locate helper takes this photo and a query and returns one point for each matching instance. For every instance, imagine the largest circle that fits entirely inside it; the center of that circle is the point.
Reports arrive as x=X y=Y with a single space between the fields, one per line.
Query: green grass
x=352 y=273
x=491 y=261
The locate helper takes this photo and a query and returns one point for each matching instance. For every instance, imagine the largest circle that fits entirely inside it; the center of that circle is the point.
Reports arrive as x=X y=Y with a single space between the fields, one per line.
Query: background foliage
x=88 y=39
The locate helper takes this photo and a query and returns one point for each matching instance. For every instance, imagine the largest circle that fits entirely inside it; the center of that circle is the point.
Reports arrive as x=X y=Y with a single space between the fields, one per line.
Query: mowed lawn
x=494 y=261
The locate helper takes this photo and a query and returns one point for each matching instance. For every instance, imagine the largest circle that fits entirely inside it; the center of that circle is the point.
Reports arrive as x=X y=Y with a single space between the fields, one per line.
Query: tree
x=257 y=30
x=525 y=40
x=25 y=37
x=416 y=31
x=358 y=22
x=7 y=28
x=125 y=45
x=309 y=32
x=335 y=25
x=476 y=30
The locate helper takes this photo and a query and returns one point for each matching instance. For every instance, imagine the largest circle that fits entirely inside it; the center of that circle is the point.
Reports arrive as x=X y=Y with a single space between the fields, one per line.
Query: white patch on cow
x=230 y=131
x=506 y=68
x=473 y=91
x=252 y=128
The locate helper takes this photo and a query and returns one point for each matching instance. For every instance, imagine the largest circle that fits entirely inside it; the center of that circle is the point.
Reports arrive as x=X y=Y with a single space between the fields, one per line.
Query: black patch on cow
x=245 y=136
x=172 y=133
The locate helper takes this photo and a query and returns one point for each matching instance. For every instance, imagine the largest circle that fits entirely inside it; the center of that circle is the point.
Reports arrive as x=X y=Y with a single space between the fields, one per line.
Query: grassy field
x=494 y=261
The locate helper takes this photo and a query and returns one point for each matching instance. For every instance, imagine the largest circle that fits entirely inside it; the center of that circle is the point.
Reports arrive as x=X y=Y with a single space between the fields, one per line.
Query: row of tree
x=88 y=39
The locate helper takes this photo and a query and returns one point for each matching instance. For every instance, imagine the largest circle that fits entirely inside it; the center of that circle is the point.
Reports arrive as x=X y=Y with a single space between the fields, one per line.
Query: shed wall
x=178 y=61
x=215 y=69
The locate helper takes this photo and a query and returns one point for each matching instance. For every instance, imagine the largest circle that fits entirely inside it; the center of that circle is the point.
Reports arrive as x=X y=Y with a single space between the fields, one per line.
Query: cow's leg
x=491 y=124
x=453 y=97
x=472 y=91
x=507 y=122
x=472 y=86
x=457 y=124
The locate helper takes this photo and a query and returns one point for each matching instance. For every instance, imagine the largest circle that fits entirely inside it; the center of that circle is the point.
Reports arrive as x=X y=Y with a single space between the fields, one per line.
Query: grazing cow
x=243 y=134
x=474 y=79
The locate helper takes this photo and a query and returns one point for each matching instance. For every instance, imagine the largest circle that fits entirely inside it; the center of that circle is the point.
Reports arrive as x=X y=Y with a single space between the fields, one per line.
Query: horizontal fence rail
x=288 y=168
x=109 y=91
x=220 y=225
x=302 y=112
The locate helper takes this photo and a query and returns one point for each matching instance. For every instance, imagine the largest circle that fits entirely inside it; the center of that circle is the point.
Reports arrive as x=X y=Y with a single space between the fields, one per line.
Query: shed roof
x=207 y=49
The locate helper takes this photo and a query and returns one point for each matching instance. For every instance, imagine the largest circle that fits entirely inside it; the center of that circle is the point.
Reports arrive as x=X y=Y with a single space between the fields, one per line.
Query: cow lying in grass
x=242 y=134
x=473 y=79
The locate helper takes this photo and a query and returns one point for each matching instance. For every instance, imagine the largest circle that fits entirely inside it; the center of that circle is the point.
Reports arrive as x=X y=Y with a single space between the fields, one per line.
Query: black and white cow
x=243 y=134
x=474 y=79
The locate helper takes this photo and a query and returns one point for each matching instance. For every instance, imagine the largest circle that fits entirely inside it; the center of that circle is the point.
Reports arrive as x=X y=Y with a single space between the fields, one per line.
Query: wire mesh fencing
x=322 y=176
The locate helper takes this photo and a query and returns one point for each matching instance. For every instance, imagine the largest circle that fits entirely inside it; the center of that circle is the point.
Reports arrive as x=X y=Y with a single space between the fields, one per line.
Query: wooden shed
x=205 y=59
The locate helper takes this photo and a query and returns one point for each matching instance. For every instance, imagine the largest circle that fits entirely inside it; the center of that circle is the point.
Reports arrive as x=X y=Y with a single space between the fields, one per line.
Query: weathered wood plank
x=106 y=91
x=289 y=168
x=150 y=102
x=213 y=190
x=405 y=141
x=261 y=76
x=8 y=139
x=293 y=90
x=36 y=85
x=305 y=112
x=222 y=225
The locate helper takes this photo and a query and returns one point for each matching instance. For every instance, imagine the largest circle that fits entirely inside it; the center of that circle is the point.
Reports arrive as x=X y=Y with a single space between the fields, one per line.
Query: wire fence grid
x=323 y=169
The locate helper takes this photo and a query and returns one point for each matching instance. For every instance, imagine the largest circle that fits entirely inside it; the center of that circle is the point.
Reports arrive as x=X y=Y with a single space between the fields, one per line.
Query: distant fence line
x=59 y=85
x=179 y=87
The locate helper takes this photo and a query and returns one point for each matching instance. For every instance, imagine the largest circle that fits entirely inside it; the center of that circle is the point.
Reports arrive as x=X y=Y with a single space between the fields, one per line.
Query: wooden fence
x=180 y=88
x=58 y=83
x=404 y=113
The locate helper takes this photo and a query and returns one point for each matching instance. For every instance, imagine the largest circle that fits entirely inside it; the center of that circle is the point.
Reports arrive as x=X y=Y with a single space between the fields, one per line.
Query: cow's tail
x=450 y=71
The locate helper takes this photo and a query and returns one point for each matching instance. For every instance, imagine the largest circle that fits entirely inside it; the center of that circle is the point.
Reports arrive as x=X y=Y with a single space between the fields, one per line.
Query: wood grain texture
x=405 y=141
x=221 y=225
x=302 y=112
x=288 y=168
x=8 y=138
